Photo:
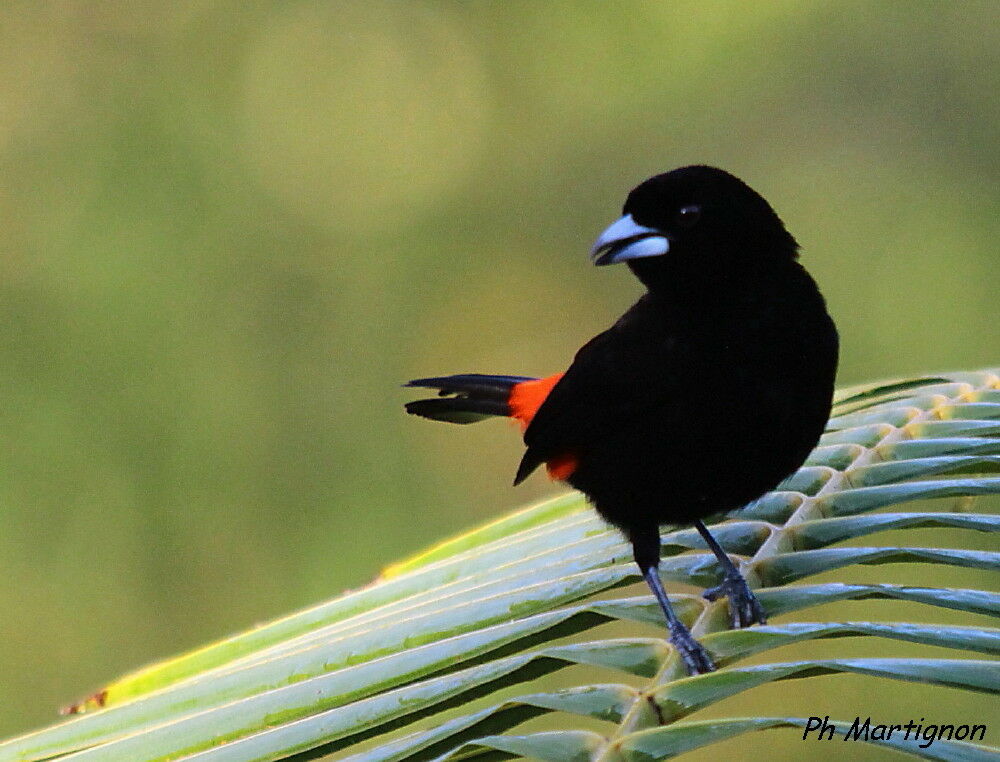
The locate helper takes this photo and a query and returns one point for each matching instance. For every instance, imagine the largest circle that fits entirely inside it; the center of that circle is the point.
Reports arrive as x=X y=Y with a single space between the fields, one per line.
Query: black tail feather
x=470 y=383
x=456 y=409
x=477 y=397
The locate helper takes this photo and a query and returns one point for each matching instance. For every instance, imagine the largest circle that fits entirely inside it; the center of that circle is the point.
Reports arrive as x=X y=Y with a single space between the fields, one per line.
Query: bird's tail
x=466 y=398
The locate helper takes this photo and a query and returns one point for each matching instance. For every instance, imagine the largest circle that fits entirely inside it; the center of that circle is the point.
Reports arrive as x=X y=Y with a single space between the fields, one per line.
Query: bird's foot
x=692 y=653
x=744 y=608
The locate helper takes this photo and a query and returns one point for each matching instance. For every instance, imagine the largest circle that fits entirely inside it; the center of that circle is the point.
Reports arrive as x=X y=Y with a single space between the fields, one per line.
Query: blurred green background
x=229 y=231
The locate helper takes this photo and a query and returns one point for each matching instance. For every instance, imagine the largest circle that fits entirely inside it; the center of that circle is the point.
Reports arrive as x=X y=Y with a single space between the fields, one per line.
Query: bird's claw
x=692 y=653
x=744 y=608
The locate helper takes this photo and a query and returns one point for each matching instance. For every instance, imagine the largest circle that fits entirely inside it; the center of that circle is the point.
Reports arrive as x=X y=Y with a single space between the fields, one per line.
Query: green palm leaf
x=388 y=672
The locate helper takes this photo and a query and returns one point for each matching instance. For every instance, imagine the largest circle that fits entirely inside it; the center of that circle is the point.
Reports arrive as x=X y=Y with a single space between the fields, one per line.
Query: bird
x=703 y=396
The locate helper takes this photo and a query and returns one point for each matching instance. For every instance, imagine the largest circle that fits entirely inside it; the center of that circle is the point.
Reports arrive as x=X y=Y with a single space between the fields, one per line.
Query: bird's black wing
x=617 y=376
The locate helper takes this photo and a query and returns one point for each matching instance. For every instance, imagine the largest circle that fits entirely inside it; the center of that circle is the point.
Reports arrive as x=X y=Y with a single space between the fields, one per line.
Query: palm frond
x=490 y=610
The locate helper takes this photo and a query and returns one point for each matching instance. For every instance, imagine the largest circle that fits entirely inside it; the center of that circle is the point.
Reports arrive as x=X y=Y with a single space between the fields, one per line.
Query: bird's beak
x=627 y=239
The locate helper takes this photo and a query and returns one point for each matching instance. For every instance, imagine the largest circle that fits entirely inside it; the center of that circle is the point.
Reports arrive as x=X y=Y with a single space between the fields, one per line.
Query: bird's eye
x=687 y=216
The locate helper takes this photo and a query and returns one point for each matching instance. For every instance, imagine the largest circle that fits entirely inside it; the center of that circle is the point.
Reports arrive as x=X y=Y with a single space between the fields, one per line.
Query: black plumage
x=704 y=395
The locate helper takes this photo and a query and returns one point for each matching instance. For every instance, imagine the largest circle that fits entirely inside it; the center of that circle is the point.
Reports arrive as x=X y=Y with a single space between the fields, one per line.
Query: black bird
x=705 y=394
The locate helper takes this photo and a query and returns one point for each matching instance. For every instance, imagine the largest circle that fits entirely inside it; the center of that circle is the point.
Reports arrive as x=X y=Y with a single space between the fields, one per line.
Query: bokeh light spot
x=351 y=123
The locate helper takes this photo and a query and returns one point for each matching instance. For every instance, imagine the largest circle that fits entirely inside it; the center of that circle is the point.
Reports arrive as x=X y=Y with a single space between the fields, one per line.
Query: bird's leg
x=744 y=608
x=646 y=549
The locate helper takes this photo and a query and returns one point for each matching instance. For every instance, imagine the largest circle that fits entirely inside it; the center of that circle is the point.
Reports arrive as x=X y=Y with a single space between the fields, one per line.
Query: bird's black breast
x=684 y=409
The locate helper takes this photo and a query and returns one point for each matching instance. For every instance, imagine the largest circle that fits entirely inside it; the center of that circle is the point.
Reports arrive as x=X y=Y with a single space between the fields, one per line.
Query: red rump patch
x=527 y=396
x=561 y=467
x=524 y=401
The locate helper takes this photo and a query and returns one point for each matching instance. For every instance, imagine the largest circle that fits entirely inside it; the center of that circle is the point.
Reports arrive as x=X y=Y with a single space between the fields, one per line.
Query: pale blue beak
x=627 y=239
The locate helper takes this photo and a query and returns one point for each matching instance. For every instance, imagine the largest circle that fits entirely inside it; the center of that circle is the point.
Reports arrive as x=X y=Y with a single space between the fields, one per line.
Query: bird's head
x=694 y=217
